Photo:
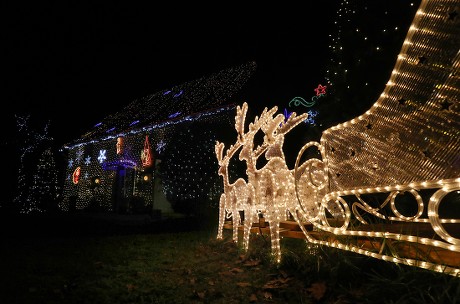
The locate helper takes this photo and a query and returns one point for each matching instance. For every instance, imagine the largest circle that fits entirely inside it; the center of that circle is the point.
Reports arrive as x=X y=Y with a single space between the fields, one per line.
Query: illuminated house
x=112 y=167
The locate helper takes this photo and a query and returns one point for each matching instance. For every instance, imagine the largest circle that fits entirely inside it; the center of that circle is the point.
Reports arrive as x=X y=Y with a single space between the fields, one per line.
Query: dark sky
x=72 y=63
x=75 y=63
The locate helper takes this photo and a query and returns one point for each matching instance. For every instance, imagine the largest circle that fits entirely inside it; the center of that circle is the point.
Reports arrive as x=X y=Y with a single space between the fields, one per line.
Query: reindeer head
x=219 y=148
x=223 y=161
x=276 y=129
x=240 y=119
x=247 y=152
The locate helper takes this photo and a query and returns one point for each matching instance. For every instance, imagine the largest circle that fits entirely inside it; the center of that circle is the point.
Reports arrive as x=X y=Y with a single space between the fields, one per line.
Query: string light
x=406 y=143
x=267 y=191
x=37 y=188
x=118 y=149
x=396 y=151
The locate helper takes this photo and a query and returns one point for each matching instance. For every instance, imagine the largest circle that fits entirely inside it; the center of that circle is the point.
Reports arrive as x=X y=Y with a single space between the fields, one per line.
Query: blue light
x=311 y=117
x=174 y=115
x=127 y=163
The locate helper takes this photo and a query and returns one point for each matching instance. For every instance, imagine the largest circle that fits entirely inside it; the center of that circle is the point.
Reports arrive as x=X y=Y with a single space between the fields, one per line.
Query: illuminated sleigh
x=390 y=178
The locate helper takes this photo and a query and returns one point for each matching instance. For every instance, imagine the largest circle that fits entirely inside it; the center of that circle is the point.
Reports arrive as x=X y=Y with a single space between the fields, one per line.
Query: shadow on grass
x=97 y=224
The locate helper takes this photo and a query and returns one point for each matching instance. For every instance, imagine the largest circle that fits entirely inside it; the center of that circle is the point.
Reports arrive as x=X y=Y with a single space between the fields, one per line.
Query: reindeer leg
x=250 y=215
x=247 y=228
x=236 y=223
x=220 y=228
x=275 y=238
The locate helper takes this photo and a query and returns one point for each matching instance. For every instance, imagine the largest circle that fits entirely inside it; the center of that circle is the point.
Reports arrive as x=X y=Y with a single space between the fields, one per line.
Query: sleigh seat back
x=392 y=174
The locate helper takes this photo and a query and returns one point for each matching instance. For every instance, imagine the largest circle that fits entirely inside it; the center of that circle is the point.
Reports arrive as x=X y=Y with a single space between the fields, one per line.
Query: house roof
x=180 y=103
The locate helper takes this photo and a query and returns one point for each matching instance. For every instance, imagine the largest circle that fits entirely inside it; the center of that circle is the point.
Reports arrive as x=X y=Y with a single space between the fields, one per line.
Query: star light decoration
x=311 y=117
x=160 y=146
x=79 y=155
x=339 y=192
x=320 y=90
x=102 y=156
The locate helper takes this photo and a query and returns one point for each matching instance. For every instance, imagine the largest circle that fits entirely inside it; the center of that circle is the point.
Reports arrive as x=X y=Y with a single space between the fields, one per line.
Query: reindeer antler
x=240 y=120
x=219 y=149
x=275 y=130
x=292 y=121
x=265 y=117
x=261 y=124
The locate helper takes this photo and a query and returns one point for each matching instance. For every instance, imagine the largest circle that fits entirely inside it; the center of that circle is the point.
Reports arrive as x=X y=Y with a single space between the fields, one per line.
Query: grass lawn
x=57 y=264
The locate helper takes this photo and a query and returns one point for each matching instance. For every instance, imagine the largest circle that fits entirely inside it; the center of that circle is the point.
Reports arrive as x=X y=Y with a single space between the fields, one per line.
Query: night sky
x=73 y=64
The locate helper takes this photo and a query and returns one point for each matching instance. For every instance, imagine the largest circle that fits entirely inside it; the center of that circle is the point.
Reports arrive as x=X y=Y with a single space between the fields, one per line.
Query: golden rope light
x=407 y=142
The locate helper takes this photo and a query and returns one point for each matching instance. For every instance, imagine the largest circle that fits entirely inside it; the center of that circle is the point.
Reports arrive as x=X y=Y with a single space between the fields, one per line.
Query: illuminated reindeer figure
x=257 y=205
x=238 y=193
x=274 y=183
x=269 y=190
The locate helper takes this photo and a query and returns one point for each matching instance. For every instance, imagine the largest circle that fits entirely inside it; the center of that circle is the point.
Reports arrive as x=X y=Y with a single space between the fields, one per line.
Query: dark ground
x=142 y=259
x=95 y=224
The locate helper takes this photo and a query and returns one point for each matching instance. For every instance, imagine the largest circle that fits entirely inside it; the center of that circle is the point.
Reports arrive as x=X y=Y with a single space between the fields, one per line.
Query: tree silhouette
x=37 y=172
x=45 y=189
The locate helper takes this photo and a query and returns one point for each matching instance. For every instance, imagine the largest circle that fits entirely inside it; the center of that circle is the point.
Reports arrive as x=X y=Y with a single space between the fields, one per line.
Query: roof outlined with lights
x=190 y=100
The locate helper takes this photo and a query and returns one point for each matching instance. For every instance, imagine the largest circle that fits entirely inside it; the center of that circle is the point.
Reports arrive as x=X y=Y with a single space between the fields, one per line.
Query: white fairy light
x=407 y=142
